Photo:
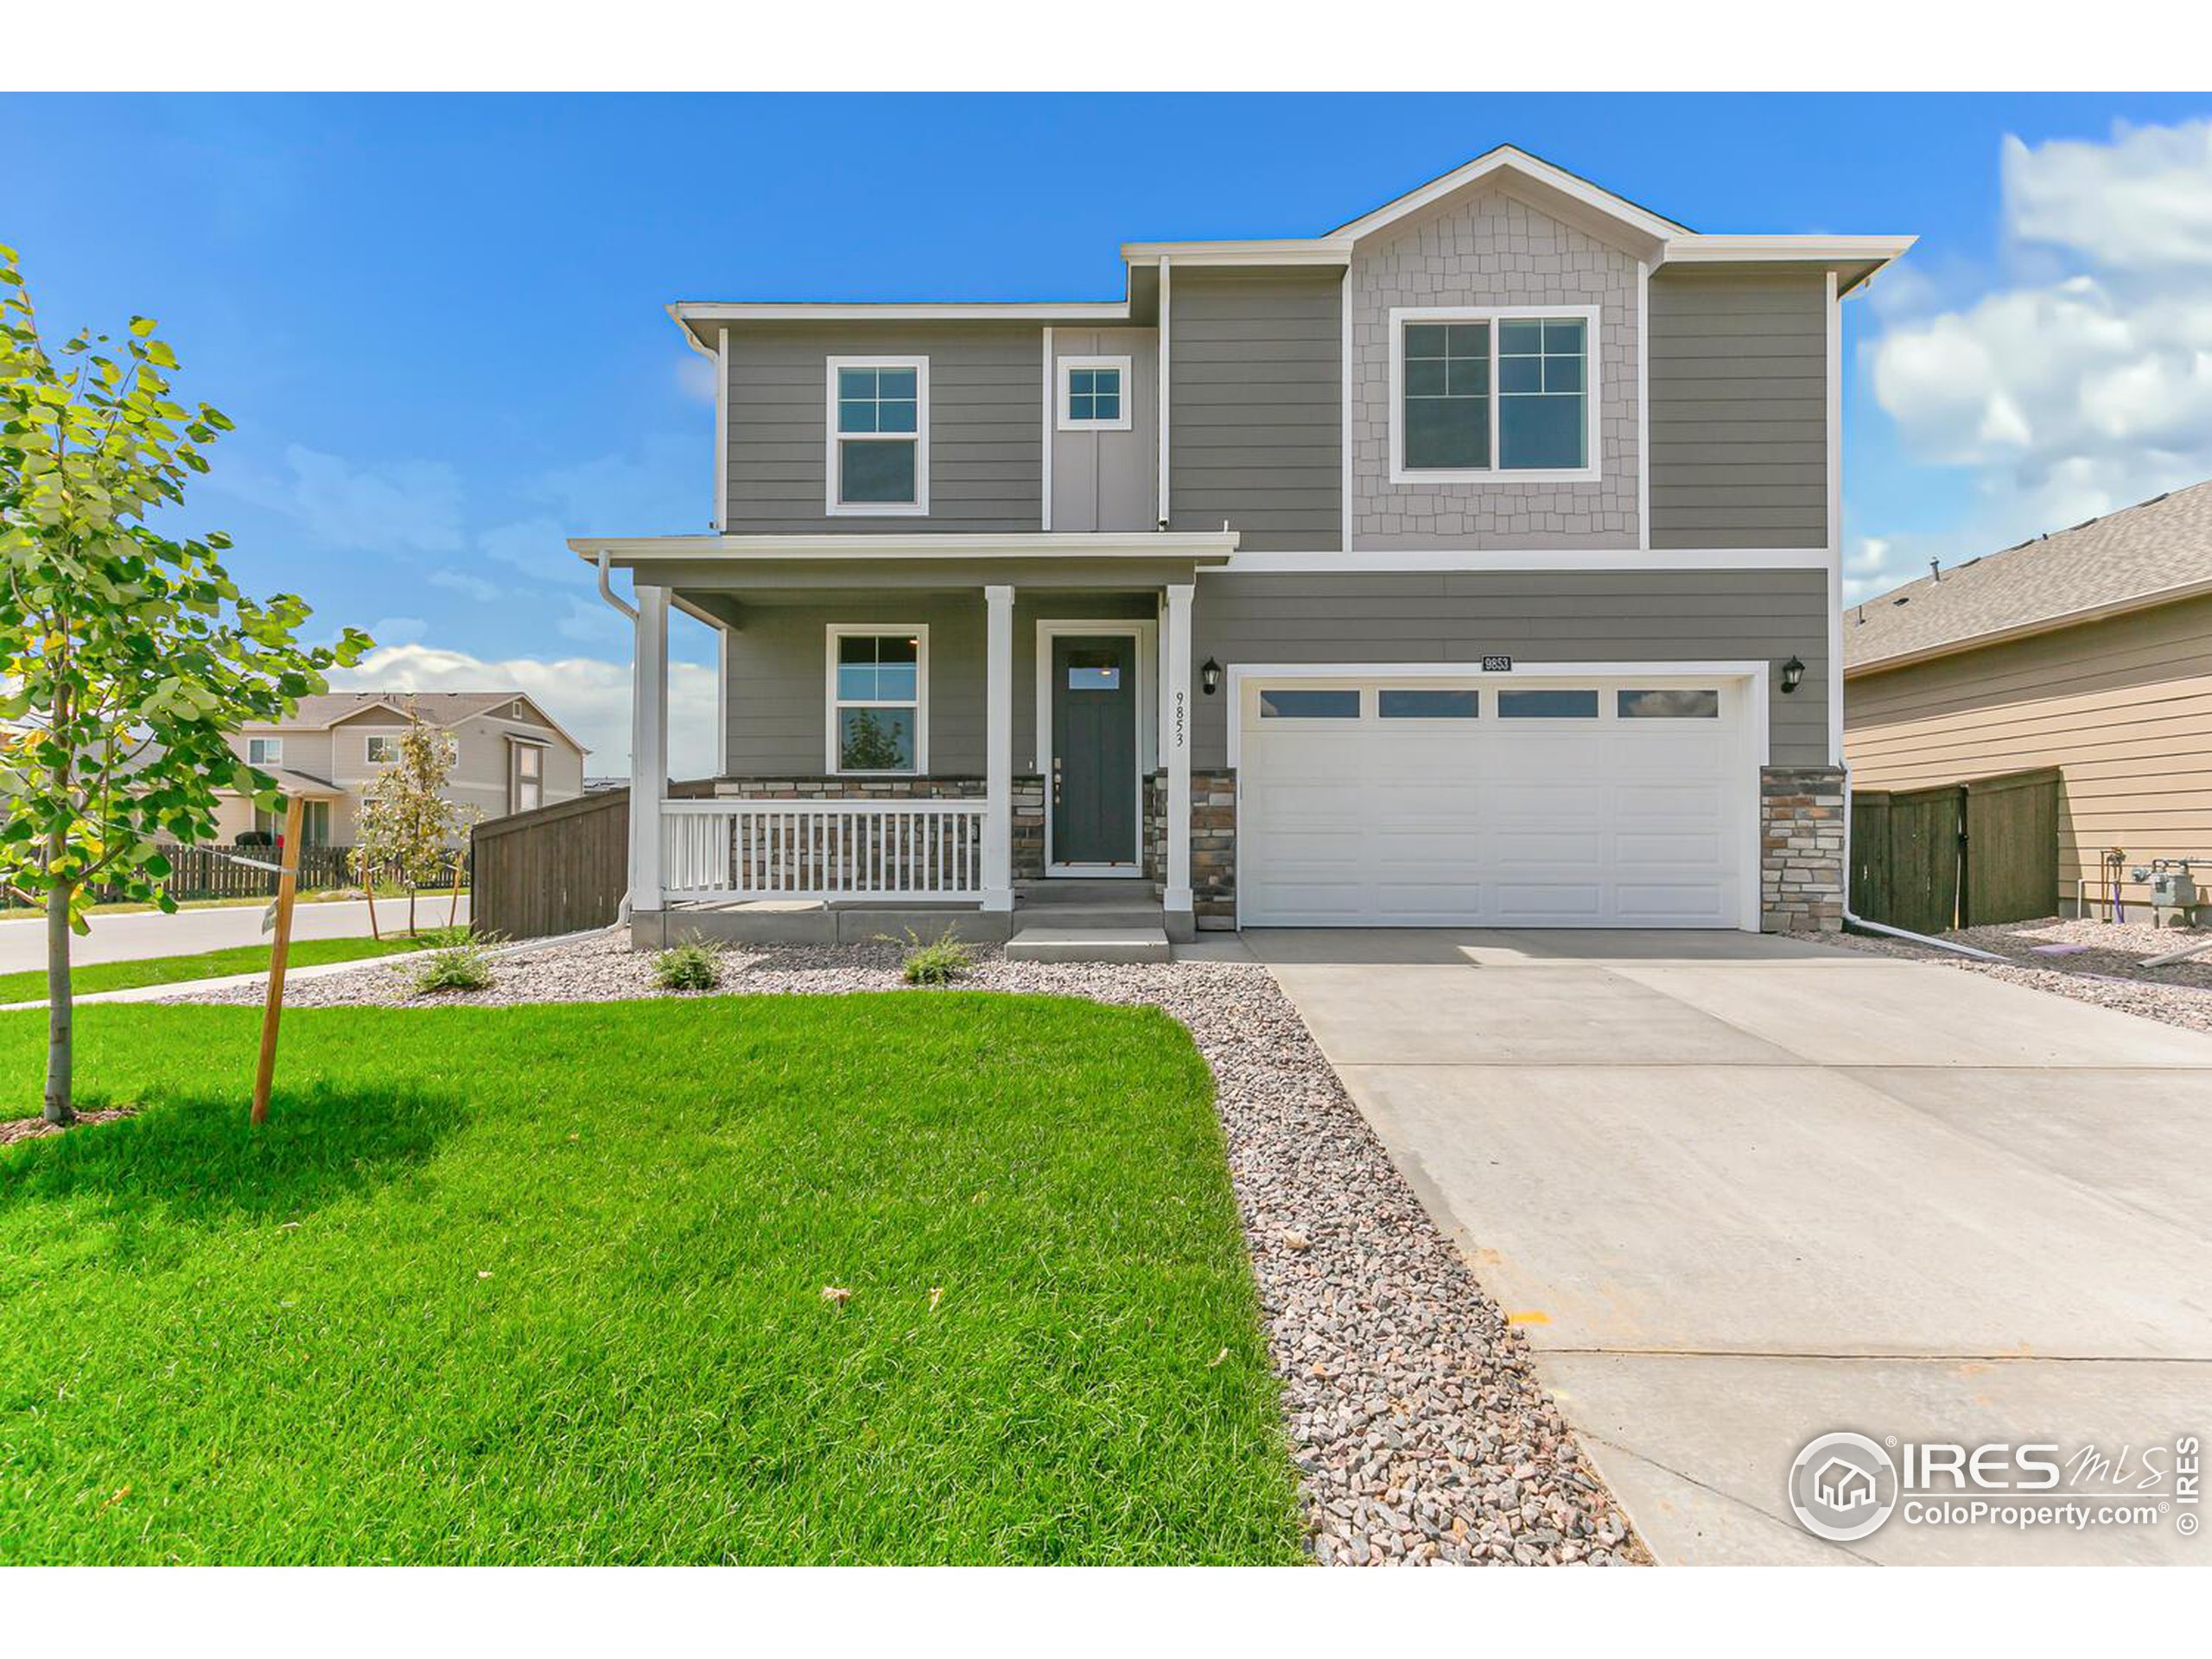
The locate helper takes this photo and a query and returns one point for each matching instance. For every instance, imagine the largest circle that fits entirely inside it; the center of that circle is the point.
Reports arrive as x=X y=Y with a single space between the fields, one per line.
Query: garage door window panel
x=1309 y=705
x=1547 y=703
x=1423 y=702
x=1702 y=703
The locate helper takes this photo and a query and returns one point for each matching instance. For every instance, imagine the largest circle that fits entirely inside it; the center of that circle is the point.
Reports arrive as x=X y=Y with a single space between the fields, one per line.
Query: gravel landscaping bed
x=2100 y=965
x=1419 y=1427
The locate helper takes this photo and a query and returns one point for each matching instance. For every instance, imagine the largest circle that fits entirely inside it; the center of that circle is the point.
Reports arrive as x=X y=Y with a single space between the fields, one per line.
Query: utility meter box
x=2174 y=894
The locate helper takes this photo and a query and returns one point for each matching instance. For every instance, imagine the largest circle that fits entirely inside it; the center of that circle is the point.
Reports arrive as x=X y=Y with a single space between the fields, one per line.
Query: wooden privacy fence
x=1958 y=854
x=560 y=869
x=209 y=872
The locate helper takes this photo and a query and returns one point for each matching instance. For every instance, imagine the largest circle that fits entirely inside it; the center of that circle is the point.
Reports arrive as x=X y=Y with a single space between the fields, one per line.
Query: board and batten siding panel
x=1256 y=405
x=1446 y=617
x=986 y=430
x=2122 y=707
x=1107 y=479
x=1738 y=384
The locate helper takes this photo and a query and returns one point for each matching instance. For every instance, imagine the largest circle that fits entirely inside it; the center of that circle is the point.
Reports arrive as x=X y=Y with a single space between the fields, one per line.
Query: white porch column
x=648 y=747
x=997 y=748
x=1175 y=732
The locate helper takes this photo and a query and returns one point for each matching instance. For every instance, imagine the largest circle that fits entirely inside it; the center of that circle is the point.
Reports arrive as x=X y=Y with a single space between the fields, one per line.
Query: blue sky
x=437 y=320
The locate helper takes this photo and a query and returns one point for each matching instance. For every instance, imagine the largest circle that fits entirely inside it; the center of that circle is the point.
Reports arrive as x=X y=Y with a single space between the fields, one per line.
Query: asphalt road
x=133 y=936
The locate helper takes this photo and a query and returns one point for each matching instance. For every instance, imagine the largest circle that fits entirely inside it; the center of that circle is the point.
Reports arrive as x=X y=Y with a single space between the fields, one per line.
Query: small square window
x=1094 y=394
x=264 y=751
x=382 y=751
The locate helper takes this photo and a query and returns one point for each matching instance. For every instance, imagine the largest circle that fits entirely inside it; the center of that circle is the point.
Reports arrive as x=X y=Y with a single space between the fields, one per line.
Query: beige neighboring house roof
x=2152 y=553
x=322 y=711
x=305 y=785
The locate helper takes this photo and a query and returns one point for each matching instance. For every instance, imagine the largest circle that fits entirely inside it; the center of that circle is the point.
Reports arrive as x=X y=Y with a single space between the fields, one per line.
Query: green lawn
x=30 y=986
x=544 y=1285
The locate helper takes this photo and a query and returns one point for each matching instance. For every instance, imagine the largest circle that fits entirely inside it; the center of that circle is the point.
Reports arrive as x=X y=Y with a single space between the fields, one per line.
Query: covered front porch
x=988 y=733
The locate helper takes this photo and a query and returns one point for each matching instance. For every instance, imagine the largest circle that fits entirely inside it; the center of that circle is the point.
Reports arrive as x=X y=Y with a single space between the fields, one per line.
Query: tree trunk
x=60 y=1039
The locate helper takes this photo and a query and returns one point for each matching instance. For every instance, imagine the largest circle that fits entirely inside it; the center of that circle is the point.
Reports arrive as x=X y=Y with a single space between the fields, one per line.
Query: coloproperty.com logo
x=1845 y=1486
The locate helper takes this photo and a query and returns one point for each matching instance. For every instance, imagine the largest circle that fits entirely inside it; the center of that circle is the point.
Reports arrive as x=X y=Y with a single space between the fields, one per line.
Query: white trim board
x=1384 y=562
x=1835 y=520
x=1144 y=632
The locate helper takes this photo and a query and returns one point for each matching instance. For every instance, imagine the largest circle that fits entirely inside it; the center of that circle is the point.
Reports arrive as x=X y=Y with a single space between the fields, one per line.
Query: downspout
x=607 y=591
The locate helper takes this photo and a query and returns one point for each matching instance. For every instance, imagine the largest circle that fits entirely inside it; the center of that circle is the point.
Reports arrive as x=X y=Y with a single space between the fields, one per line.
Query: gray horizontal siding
x=1667 y=616
x=986 y=441
x=1738 y=381
x=1256 y=405
x=778 y=683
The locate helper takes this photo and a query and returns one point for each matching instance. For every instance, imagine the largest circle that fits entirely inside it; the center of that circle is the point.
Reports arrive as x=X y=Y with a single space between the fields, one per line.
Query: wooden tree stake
x=273 y=1008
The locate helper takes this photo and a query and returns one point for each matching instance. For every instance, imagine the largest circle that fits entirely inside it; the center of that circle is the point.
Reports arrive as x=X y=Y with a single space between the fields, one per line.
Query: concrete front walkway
x=1740 y=1191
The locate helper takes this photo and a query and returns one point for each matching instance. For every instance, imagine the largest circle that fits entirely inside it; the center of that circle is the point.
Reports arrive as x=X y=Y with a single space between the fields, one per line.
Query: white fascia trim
x=1346 y=484
x=1304 y=251
x=1165 y=368
x=920 y=506
x=1529 y=559
x=1593 y=395
x=1731 y=249
x=918 y=311
x=1206 y=544
x=1506 y=158
x=1044 y=491
x=1065 y=423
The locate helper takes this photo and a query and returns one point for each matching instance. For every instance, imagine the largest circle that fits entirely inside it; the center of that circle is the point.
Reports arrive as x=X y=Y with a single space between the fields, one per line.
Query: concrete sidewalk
x=1740 y=1191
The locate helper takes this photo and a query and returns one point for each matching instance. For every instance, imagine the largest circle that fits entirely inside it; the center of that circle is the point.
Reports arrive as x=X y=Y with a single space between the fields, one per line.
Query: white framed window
x=879 y=678
x=527 y=791
x=1094 y=394
x=878 y=421
x=380 y=750
x=264 y=751
x=1490 y=394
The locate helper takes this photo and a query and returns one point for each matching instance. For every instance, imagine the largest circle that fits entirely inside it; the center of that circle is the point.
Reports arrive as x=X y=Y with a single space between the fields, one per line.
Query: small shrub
x=445 y=938
x=693 y=965
x=460 y=968
x=935 y=962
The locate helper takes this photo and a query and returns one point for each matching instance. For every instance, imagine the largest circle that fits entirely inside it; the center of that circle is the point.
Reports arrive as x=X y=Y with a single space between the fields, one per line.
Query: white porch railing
x=904 y=849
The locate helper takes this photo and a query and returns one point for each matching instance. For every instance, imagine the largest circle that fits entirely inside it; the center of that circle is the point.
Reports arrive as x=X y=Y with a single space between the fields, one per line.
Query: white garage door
x=1520 y=803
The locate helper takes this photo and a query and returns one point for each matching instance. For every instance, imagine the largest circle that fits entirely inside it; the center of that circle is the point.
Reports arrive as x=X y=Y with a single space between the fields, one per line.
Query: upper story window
x=1493 y=393
x=879 y=426
x=380 y=751
x=264 y=751
x=1094 y=394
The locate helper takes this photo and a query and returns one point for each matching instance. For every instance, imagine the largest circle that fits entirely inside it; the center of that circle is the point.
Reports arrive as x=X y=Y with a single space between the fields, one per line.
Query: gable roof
x=2152 y=553
x=1507 y=162
x=322 y=711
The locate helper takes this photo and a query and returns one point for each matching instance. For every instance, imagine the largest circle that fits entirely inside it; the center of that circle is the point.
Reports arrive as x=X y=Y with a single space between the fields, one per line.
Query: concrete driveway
x=1739 y=1192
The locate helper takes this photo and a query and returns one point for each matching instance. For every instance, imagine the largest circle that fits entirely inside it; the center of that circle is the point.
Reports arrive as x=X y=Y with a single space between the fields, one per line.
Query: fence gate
x=1958 y=855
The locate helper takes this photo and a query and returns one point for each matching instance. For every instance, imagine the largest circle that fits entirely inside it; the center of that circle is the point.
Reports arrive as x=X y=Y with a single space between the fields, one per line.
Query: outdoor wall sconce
x=1793 y=676
x=1209 y=676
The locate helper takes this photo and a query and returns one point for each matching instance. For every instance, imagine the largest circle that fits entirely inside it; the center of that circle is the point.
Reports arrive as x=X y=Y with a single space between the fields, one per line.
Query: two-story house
x=509 y=756
x=1473 y=563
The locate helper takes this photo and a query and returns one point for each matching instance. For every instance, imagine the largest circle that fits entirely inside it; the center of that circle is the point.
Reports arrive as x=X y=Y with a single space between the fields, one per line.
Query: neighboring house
x=511 y=756
x=2090 y=650
x=1474 y=563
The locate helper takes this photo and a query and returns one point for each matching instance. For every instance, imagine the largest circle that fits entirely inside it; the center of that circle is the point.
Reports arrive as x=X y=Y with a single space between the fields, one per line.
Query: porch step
x=1133 y=914
x=1089 y=943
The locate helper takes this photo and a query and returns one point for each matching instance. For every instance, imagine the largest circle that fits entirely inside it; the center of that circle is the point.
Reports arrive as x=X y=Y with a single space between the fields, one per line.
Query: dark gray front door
x=1094 y=779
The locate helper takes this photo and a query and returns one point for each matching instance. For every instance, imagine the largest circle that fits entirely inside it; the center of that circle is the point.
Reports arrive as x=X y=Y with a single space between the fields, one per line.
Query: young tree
x=126 y=657
x=406 y=822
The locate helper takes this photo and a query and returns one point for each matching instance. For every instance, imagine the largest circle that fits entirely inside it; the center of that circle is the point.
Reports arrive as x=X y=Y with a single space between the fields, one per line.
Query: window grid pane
x=1447 y=384
x=1541 y=410
x=872 y=402
x=878 y=696
x=1094 y=394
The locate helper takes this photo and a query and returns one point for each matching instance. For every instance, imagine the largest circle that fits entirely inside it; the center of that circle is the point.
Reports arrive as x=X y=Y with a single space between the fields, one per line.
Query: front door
x=1094 y=780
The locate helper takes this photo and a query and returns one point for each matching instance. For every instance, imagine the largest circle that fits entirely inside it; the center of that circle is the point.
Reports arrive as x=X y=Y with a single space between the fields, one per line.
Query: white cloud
x=590 y=696
x=538 y=547
x=398 y=630
x=2143 y=201
x=403 y=506
x=2084 y=383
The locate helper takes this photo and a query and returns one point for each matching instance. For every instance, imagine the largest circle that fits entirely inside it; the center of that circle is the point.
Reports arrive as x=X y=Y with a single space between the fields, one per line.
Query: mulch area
x=29 y=1129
